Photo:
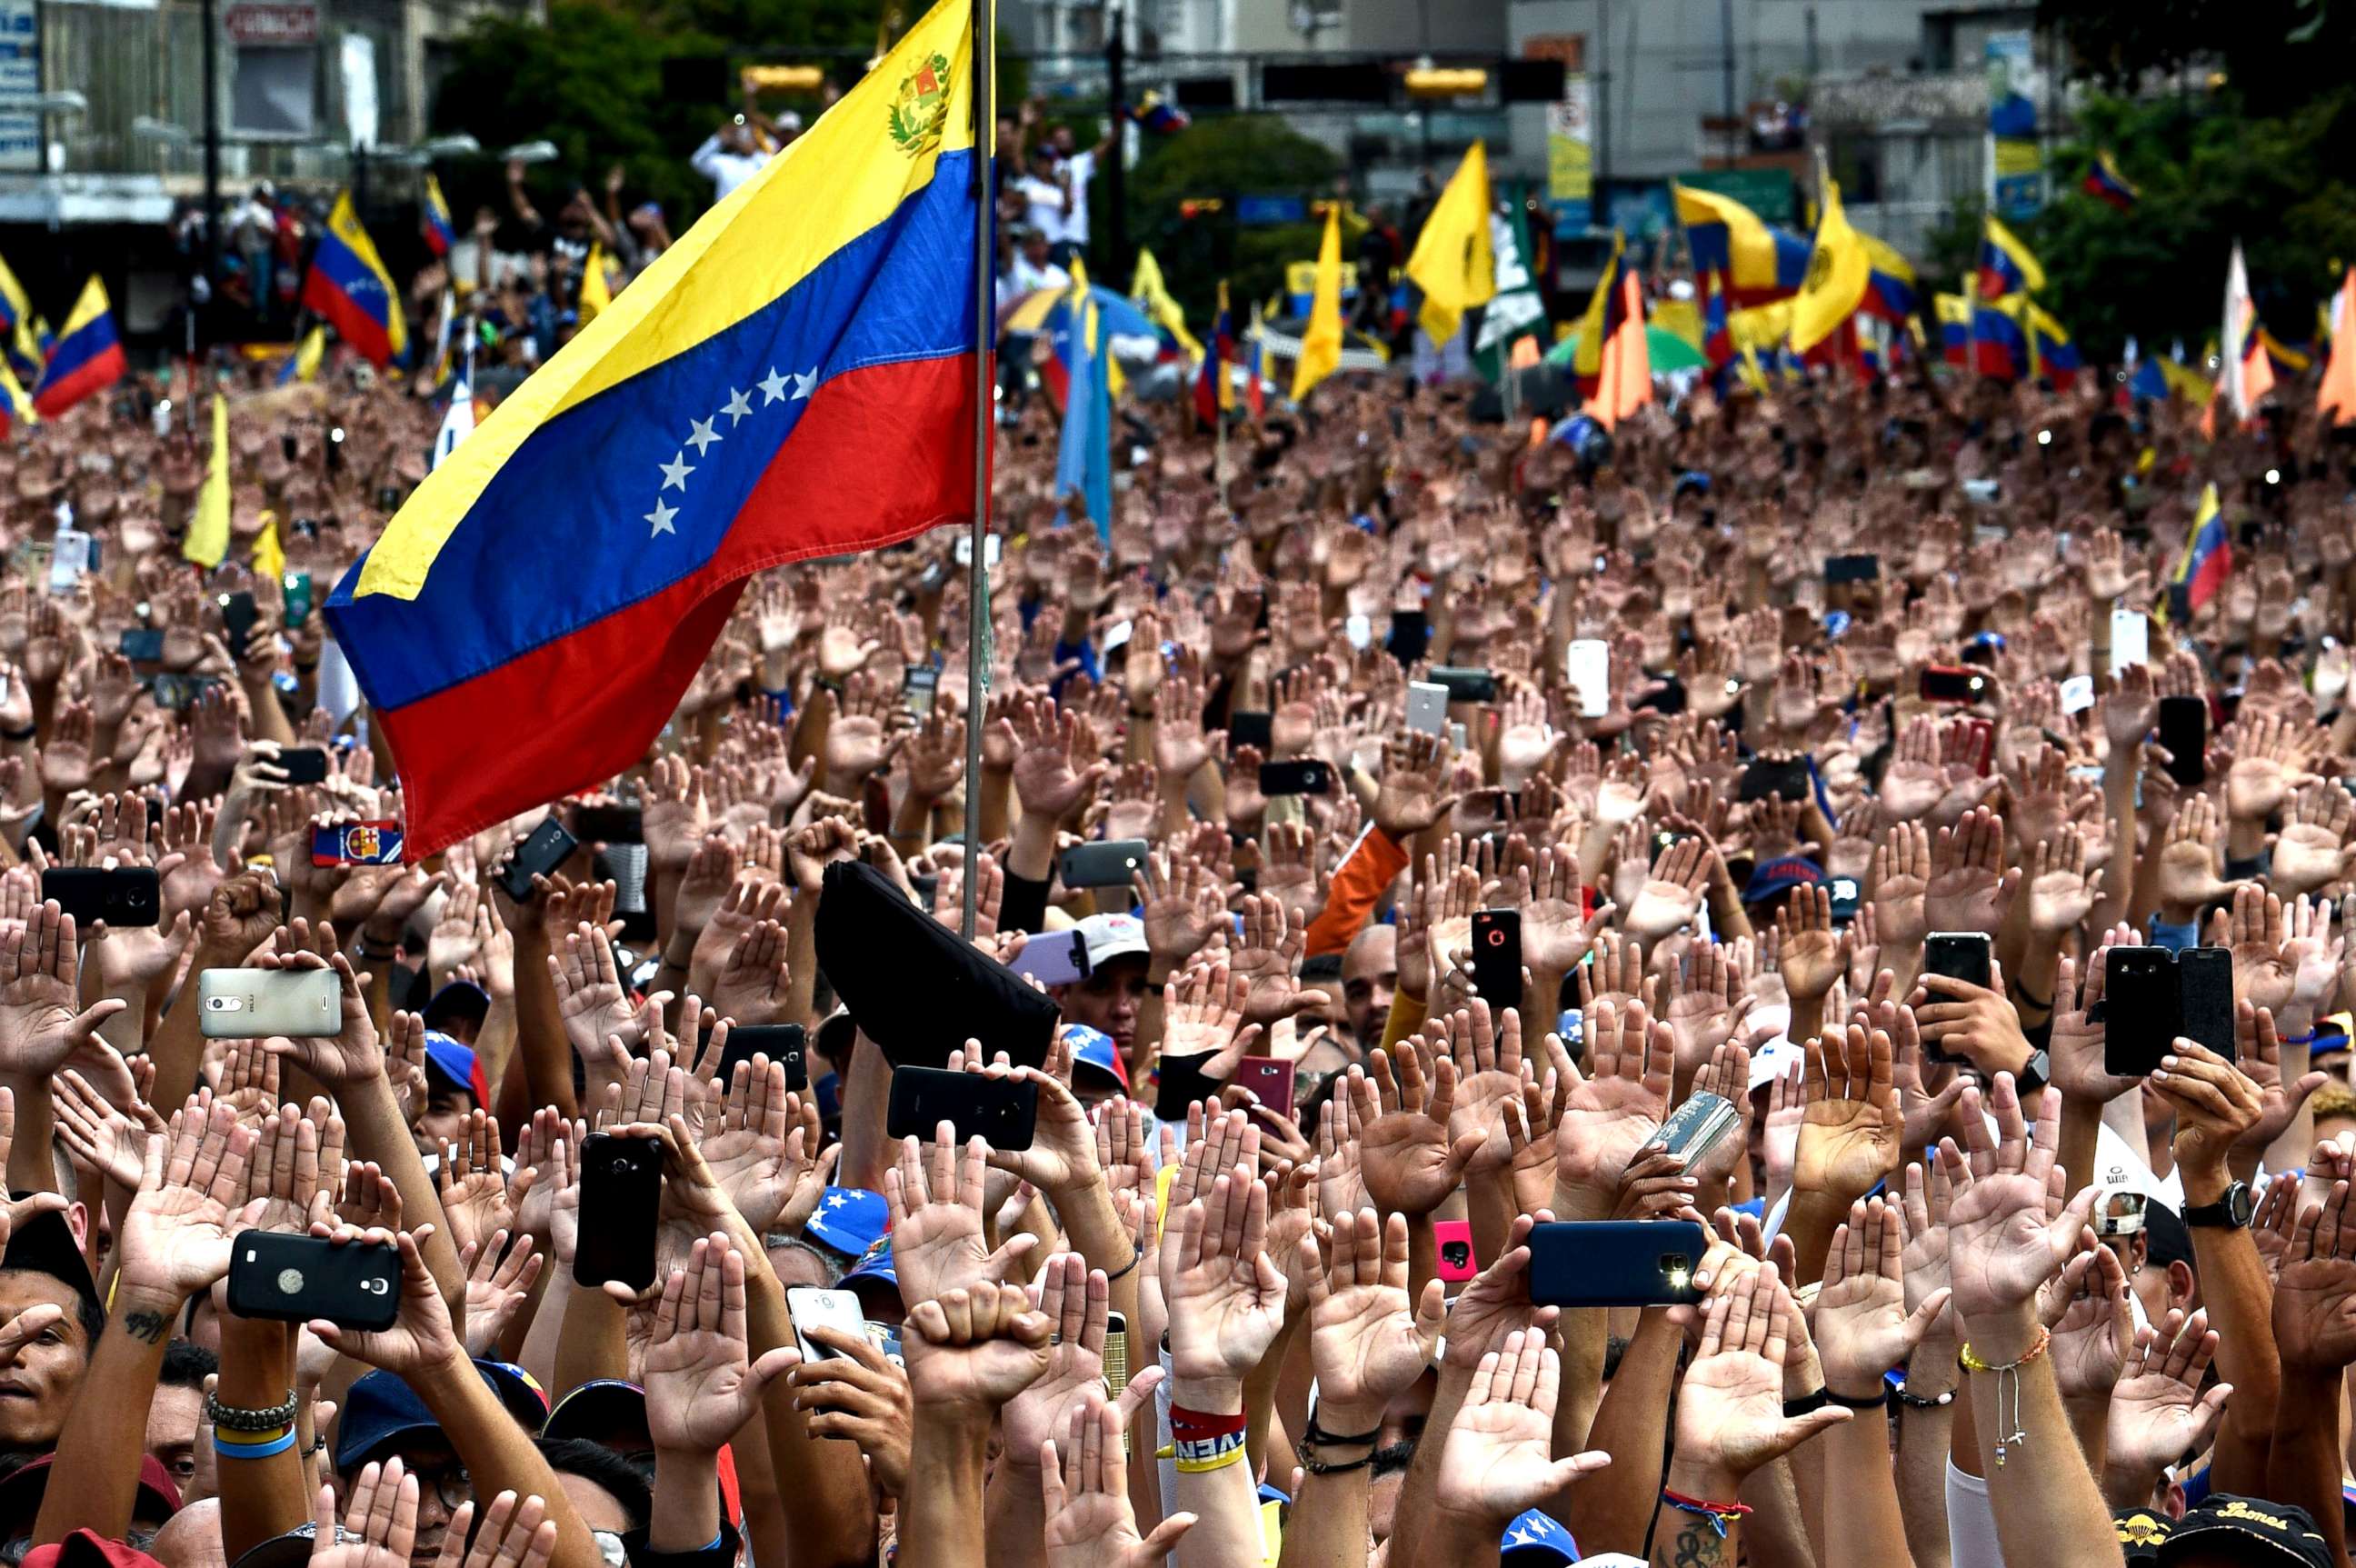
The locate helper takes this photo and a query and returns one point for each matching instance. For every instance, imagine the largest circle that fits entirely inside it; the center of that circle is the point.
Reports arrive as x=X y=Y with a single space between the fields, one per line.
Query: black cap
x=2140 y=1533
x=2249 y=1530
x=44 y=1244
x=913 y=986
x=2166 y=1239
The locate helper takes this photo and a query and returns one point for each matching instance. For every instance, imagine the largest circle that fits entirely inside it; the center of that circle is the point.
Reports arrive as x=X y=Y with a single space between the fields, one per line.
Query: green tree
x=1222 y=158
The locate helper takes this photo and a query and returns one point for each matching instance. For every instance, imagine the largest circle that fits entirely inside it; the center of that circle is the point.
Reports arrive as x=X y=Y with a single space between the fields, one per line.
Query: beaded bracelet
x=1972 y=1362
x=1925 y=1401
x=230 y=1418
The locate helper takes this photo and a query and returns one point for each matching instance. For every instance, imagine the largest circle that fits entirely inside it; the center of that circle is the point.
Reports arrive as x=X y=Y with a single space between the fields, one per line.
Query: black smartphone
x=621 y=1199
x=2143 y=1009
x=787 y=1043
x=127 y=895
x=303 y=764
x=2184 y=730
x=1108 y=862
x=142 y=644
x=238 y=614
x=2205 y=998
x=1410 y=635
x=1786 y=777
x=1960 y=955
x=609 y=824
x=1953 y=683
x=292 y=445
x=544 y=852
x=1466 y=685
x=1852 y=568
x=296 y=1278
x=1497 y=956
x=1251 y=726
x=1616 y=1262
x=1000 y=1111
x=1301 y=775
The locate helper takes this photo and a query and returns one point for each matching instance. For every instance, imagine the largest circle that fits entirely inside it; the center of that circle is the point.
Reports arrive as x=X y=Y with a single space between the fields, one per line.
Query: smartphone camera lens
x=1496 y=939
x=1455 y=1255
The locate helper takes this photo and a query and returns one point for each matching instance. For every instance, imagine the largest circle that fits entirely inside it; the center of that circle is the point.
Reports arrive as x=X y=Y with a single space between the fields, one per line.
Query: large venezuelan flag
x=1761 y=265
x=1890 y=287
x=794 y=378
x=87 y=357
x=348 y=286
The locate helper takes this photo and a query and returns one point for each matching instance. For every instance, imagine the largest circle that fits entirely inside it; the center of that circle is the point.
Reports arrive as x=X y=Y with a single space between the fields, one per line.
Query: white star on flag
x=837 y=1201
x=676 y=471
x=660 y=517
x=773 y=387
x=739 y=405
x=805 y=383
x=704 y=435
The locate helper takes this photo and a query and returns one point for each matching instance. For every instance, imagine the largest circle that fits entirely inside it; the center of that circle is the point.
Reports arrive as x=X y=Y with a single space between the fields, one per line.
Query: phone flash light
x=2045 y=438
x=2273 y=476
x=336 y=434
x=1733 y=686
x=1678 y=1275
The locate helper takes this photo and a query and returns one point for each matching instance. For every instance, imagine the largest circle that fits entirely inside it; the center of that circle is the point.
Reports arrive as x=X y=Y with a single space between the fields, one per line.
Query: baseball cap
x=1094 y=1049
x=291 y=1550
x=874 y=1268
x=1113 y=936
x=450 y=1065
x=2141 y=1530
x=1770 y=877
x=457 y=999
x=598 y=1410
x=518 y=1390
x=21 y=1493
x=44 y=1244
x=2165 y=1240
x=2121 y=1201
x=1536 y=1538
x=380 y=1410
x=849 y=1219
x=87 y=1549
x=2274 y=1533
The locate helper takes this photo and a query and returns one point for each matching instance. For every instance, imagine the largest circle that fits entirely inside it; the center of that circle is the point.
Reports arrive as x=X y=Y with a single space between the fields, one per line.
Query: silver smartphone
x=811 y=1307
x=1427 y=707
x=1694 y=1129
x=247 y=1004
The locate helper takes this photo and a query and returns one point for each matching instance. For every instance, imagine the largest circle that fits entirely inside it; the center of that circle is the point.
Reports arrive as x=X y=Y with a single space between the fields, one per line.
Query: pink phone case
x=1455 y=1238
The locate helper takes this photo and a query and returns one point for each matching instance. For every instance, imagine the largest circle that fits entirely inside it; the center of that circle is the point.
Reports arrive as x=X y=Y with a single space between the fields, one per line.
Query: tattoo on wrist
x=145 y=1325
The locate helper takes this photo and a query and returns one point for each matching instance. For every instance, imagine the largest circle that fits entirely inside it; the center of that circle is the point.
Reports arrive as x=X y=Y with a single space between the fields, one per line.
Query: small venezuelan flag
x=2006 y=267
x=87 y=357
x=16 y=407
x=439 y=235
x=794 y=378
x=2208 y=557
x=1761 y=265
x=1214 y=389
x=2104 y=182
x=348 y=286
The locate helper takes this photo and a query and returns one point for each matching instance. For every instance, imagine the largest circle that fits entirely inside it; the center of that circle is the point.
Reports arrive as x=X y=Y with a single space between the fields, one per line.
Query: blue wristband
x=256 y=1450
x=718 y=1536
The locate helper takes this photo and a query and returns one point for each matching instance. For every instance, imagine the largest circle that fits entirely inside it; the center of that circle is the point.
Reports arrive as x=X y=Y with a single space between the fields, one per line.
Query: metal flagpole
x=1219 y=425
x=977 y=584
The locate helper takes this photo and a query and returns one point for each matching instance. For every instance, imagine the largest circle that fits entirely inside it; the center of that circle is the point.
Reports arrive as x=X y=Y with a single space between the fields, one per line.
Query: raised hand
x=499 y=1277
x=1085 y=1492
x=2004 y=1237
x=1970 y=887
x=937 y=1238
x=701 y=1388
x=380 y=1525
x=1863 y=1327
x=1729 y=1419
x=40 y=1029
x=2315 y=1294
x=421 y=1336
x=1608 y=1115
x=1850 y=1133
x=1410 y=1162
x=1364 y=1344
x=2159 y=1412
x=1226 y=1294
x=857 y=1396
x=175 y=1239
x=1076 y=1300
x=1497 y=1460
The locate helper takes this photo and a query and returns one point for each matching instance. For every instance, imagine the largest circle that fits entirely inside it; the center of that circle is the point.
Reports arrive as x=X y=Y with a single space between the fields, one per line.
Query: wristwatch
x=2034 y=1073
x=2231 y=1210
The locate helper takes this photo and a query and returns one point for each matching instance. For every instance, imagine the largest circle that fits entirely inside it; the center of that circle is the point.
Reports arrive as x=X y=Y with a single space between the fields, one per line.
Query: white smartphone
x=247 y=1004
x=2077 y=693
x=1590 y=673
x=2130 y=640
x=1427 y=707
x=1359 y=630
x=810 y=1307
x=1117 y=638
x=988 y=550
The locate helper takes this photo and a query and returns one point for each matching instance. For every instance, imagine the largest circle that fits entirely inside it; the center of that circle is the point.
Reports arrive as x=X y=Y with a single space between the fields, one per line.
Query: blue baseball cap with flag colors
x=1094 y=1049
x=849 y=1219
x=1770 y=877
x=874 y=1267
x=1536 y=1538
x=455 y=1065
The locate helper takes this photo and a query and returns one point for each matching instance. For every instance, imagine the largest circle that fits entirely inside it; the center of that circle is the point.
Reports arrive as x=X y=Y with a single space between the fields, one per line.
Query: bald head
x=1369 y=976
x=192 y=1537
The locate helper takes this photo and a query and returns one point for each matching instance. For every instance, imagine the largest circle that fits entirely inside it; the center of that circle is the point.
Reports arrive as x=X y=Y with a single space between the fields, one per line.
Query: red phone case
x=1453 y=1239
x=1269 y=1078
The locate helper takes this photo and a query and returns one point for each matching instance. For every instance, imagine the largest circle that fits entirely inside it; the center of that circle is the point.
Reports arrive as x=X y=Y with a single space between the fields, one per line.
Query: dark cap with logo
x=2247 y=1529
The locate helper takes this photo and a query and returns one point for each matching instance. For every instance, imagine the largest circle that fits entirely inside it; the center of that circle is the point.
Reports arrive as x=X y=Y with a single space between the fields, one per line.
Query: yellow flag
x=1453 y=262
x=207 y=539
x=269 y=555
x=1838 y=272
x=596 y=292
x=1321 y=346
x=1152 y=296
x=2337 y=397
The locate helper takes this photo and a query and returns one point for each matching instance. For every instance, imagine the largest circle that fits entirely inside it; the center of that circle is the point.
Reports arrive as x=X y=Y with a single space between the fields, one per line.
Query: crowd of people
x=1276 y=1276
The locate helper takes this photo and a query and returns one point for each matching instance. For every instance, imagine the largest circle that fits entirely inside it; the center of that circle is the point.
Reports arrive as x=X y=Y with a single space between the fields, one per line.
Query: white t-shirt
x=1082 y=168
x=1042 y=206
x=1026 y=279
x=726 y=169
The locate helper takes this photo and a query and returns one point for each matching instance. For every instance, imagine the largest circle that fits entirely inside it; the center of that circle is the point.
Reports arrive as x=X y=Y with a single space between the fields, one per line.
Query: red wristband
x=1195 y=1424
